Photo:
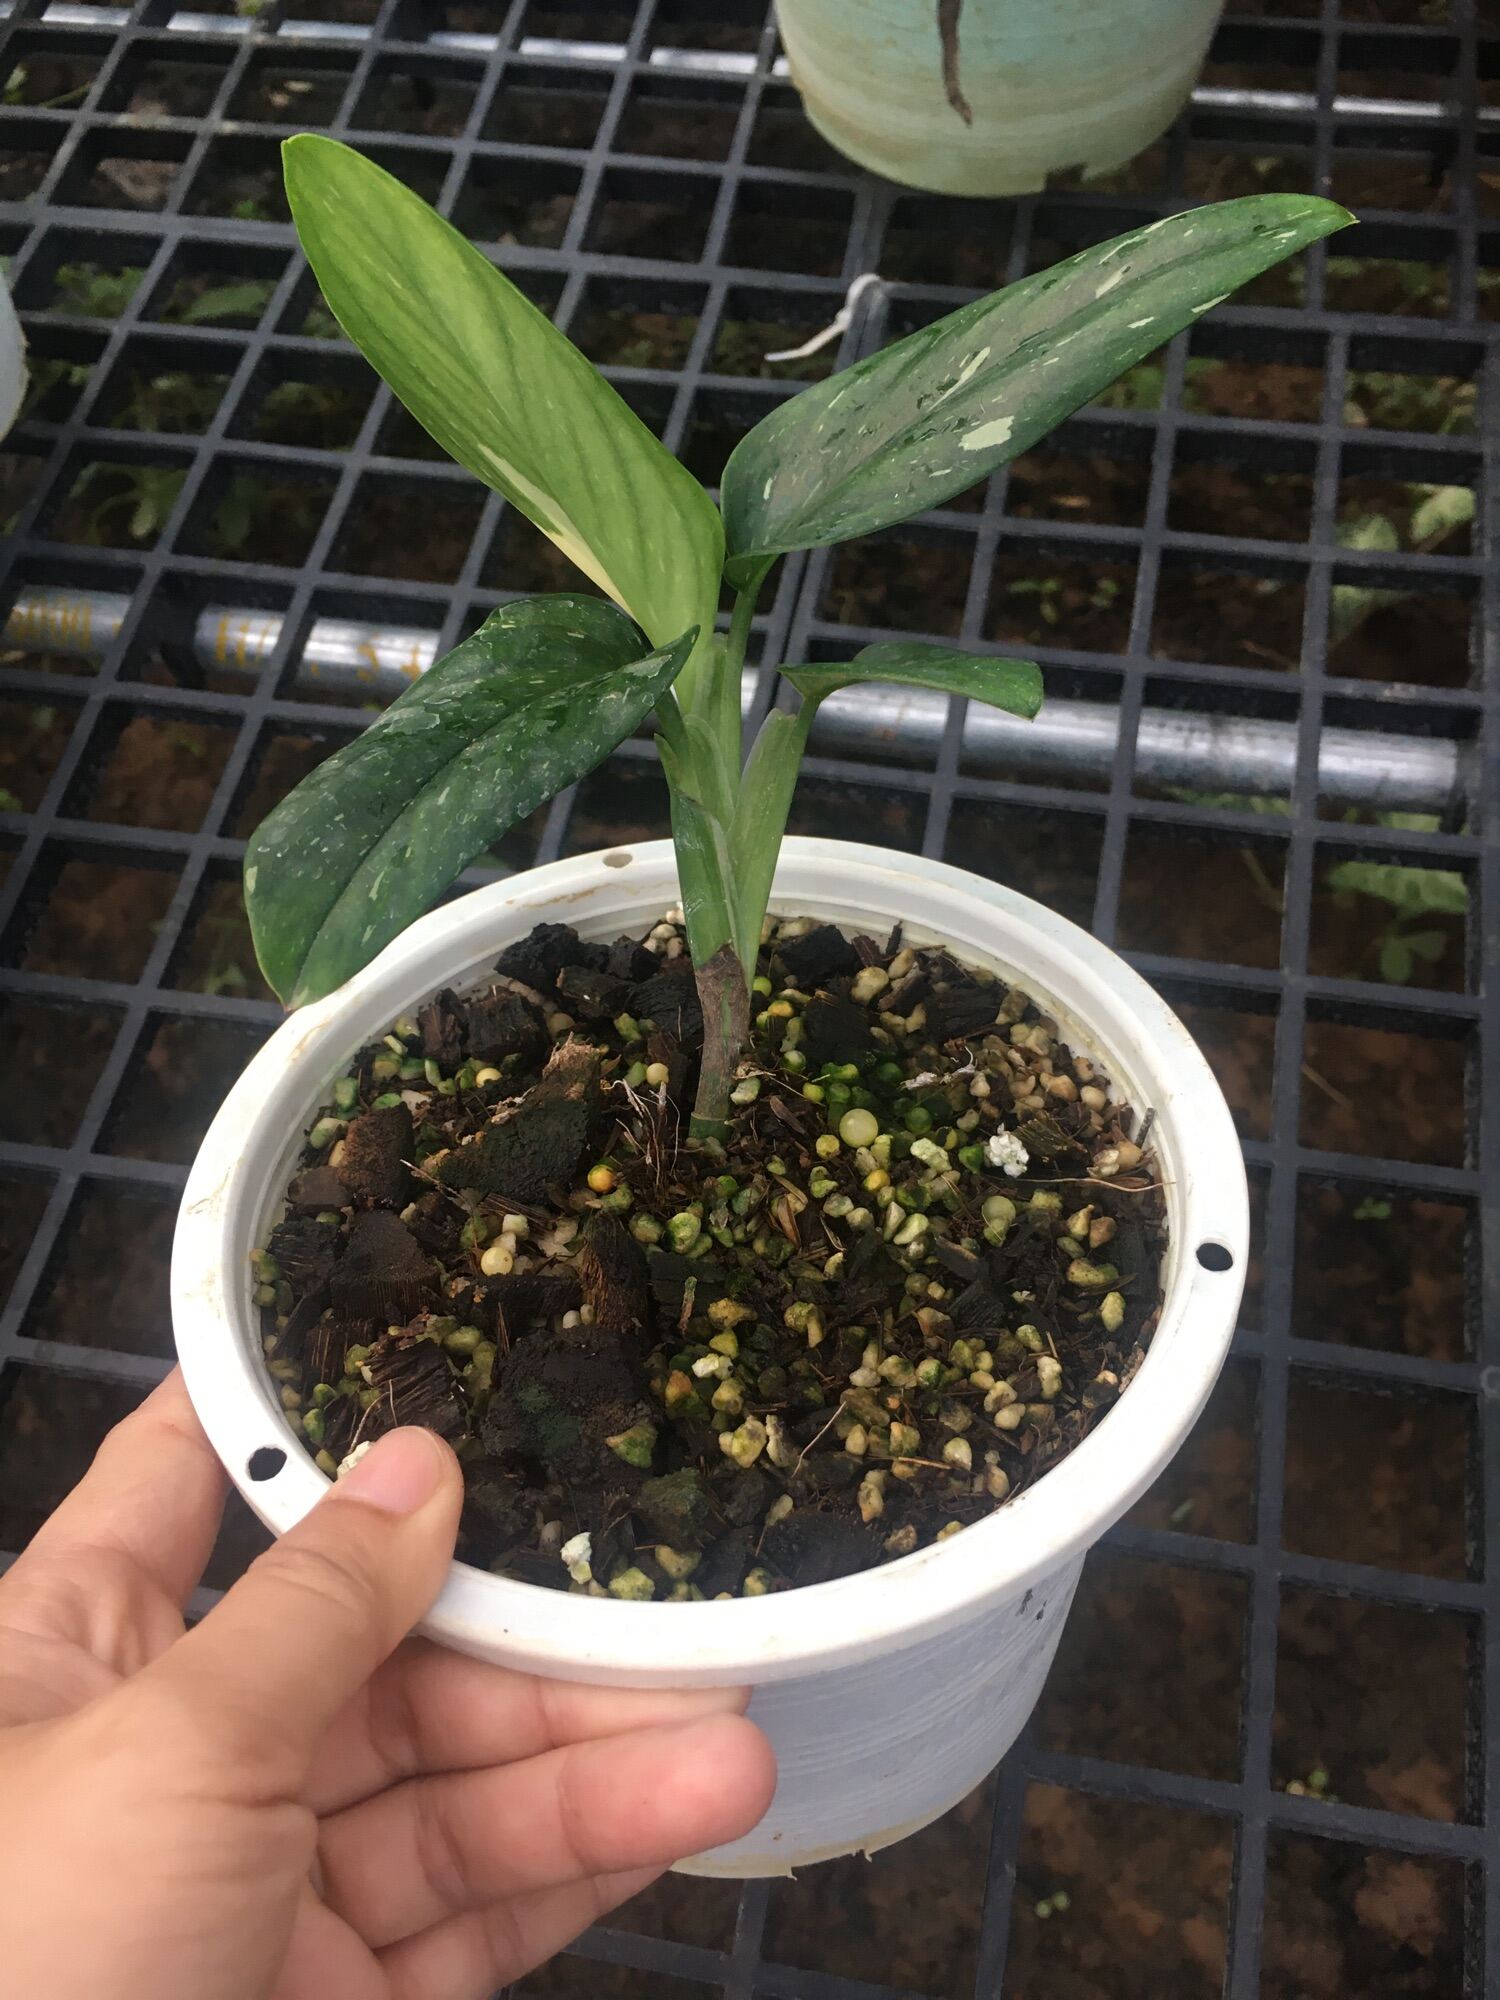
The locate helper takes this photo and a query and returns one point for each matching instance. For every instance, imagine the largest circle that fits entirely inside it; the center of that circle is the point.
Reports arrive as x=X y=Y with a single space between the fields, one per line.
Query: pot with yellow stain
x=992 y=97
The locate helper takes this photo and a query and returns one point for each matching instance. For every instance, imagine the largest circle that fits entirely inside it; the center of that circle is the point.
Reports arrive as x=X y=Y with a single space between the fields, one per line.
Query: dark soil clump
x=922 y=1265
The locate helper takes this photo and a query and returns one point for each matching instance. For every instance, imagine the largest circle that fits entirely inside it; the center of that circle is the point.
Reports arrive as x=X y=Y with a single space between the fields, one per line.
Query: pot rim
x=244 y=1157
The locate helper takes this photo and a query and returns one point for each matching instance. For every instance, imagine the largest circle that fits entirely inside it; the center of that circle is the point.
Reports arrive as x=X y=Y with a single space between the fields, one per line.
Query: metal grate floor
x=1263 y=579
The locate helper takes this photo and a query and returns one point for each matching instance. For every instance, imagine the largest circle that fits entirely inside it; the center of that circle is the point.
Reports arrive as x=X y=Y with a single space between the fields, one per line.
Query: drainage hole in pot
x=267 y=1462
x=619 y=859
x=1214 y=1257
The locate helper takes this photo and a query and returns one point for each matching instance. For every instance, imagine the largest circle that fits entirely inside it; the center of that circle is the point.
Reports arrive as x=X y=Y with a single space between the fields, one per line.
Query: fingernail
x=398 y=1474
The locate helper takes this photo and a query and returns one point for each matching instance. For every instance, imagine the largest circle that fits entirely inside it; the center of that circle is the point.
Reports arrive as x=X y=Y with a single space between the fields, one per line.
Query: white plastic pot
x=12 y=363
x=887 y=1695
x=1048 y=84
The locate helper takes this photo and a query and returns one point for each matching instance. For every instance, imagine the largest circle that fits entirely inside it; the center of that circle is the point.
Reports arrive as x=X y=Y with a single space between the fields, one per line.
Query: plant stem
x=727 y=723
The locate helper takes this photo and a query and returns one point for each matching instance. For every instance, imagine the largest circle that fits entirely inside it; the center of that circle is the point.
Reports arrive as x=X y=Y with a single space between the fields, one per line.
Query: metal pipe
x=1192 y=751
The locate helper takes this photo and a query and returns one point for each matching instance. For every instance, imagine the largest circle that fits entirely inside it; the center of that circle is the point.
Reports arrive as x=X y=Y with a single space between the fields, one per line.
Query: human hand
x=294 y=1799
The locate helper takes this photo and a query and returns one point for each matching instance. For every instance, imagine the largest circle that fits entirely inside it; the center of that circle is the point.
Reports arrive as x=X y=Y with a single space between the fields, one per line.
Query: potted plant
x=987 y=97
x=565 y=1197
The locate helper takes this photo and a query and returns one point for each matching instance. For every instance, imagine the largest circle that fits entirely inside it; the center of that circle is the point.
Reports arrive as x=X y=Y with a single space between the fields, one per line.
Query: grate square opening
x=1145 y=1892
x=895 y=818
x=763 y=236
x=717 y=421
x=33 y=738
x=1239 y=1041
x=46 y=71
x=1225 y=616
x=935 y=240
x=621 y=803
x=69 y=920
x=910 y=580
x=1146 y=1644
x=1053 y=856
x=1383 y=1268
x=516 y=201
x=105 y=1284
x=122 y=500
x=782 y=137
x=427 y=97
x=1376 y=1478
x=51 y=1424
x=59 y=1053
x=1093 y=474
x=679 y=119
x=257 y=511
x=854 y=1918
x=159 y=770
x=302 y=92
x=694 y=1910
x=1241 y=488
x=1045 y=593
x=211 y=284
x=167 y=78
x=179 y=1073
x=1342 y=1716
x=1342 y=1919
x=376 y=538
x=539 y=106
x=1209 y=1487
x=755 y=323
x=1372 y=1087
x=637 y=323
x=312 y=402
x=1201 y=896
x=112 y=167
x=166 y=385
x=23 y=1203
x=216 y=954
x=1390 y=920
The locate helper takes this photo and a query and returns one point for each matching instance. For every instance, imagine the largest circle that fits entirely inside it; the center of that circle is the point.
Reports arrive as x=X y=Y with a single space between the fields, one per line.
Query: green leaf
x=1411 y=892
x=702 y=856
x=760 y=817
x=1444 y=509
x=926 y=418
x=1395 y=961
x=542 y=691
x=503 y=391
x=1015 y=685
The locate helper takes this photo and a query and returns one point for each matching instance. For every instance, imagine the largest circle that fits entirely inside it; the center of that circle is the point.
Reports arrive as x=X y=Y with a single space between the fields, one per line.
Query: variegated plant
x=548 y=686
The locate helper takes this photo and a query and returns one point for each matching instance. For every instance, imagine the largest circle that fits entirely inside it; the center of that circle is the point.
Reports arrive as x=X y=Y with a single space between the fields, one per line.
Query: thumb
x=274 y=1662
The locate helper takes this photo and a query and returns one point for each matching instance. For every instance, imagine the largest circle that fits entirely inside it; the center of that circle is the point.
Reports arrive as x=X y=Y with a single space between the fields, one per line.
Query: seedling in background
x=548 y=686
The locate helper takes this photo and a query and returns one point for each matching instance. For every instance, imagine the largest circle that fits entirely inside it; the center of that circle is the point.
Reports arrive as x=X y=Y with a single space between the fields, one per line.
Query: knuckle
x=577 y=1814
x=440 y=1854
x=340 y=1580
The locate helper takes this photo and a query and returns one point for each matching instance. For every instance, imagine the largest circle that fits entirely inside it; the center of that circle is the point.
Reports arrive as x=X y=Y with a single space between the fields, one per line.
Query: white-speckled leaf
x=1015 y=685
x=502 y=390
x=542 y=691
x=932 y=414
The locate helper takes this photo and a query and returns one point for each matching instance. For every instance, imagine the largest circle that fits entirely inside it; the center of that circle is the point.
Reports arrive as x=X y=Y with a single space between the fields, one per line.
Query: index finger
x=153 y=1495
x=429 y=1710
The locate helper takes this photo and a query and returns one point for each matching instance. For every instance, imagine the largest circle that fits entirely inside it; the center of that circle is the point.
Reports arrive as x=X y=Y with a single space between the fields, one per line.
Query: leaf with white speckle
x=926 y=418
x=537 y=696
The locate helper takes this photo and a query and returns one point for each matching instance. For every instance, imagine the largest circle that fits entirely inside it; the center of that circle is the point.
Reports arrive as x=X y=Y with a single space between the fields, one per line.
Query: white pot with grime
x=886 y=1695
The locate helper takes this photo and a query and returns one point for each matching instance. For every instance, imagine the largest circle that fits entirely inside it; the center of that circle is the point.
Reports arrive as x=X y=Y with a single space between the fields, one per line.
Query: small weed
x=94 y=291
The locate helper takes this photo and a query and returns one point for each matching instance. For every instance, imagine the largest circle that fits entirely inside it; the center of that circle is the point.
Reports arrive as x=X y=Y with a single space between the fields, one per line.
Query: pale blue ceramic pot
x=990 y=97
